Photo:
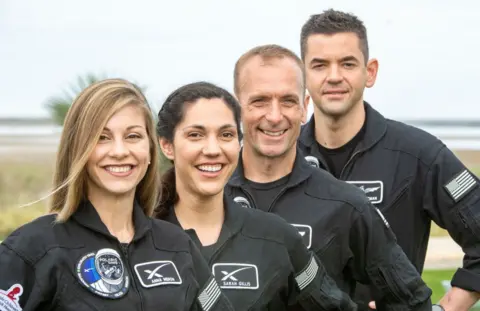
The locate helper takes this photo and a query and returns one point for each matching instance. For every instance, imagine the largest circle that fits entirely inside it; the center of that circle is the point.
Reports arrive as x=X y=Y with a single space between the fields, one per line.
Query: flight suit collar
x=87 y=216
x=376 y=127
x=232 y=223
x=300 y=172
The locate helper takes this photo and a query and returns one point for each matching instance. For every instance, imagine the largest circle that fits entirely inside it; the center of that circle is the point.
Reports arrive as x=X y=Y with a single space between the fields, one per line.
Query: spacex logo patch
x=156 y=273
x=306 y=232
x=236 y=275
x=373 y=189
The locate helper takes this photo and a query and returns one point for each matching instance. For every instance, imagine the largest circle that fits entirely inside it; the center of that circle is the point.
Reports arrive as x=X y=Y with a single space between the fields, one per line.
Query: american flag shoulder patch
x=210 y=294
x=308 y=274
x=460 y=185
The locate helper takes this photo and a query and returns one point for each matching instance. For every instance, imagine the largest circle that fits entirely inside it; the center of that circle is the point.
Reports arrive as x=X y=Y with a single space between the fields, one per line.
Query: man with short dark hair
x=335 y=219
x=411 y=176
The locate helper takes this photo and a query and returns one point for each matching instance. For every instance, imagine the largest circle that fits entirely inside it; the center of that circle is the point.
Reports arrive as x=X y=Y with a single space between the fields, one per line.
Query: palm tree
x=58 y=105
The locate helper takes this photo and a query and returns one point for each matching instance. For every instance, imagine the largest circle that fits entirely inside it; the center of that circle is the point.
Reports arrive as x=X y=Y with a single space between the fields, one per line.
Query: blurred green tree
x=58 y=105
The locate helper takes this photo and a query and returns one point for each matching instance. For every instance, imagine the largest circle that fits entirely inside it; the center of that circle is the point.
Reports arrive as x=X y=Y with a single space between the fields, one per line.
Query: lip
x=334 y=95
x=274 y=136
x=120 y=174
x=335 y=92
x=210 y=174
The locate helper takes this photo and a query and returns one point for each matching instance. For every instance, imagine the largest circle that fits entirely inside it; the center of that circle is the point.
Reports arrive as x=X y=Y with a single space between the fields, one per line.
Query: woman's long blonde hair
x=83 y=125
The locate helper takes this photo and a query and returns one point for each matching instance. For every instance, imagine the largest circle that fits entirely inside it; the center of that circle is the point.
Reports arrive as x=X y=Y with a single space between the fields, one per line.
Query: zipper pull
x=124 y=248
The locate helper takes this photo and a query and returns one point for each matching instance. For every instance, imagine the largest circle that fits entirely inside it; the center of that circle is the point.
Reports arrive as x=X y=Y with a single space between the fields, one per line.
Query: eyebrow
x=290 y=96
x=264 y=96
x=128 y=128
x=344 y=59
x=203 y=128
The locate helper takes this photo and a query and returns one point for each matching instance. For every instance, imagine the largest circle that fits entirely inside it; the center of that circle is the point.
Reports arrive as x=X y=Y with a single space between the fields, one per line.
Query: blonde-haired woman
x=99 y=249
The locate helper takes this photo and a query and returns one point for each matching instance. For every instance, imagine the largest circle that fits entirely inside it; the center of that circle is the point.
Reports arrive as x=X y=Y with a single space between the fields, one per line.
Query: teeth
x=210 y=168
x=119 y=169
x=274 y=133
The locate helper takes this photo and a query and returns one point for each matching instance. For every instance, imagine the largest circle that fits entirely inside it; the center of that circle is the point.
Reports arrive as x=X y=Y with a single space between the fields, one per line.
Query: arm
x=19 y=288
x=209 y=296
x=380 y=262
x=452 y=200
x=311 y=287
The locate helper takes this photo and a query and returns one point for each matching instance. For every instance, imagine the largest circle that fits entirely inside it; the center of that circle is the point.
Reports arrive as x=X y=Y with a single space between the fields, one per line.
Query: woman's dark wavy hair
x=171 y=114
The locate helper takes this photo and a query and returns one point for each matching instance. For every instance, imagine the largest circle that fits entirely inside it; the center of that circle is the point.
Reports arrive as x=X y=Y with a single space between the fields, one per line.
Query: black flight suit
x=261 y=263
x=413 y=178
x=349 y=236
x=78 y=265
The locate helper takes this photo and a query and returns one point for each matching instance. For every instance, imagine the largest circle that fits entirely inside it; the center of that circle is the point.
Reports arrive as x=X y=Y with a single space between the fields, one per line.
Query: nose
x=274 y=114
x=334 y=75
x=211 y=148
x=119 y=149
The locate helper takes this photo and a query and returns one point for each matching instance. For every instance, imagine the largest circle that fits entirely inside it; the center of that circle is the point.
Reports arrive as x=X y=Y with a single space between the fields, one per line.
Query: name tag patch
x=306 y=232
x=373 y=189
x=236 y=275
x=157 y=273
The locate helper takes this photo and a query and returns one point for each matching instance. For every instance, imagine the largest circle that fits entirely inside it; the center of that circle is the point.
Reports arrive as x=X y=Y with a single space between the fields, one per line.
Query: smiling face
x=272 y=103
x=205 y=148
x=121 y=156
x=336 y=72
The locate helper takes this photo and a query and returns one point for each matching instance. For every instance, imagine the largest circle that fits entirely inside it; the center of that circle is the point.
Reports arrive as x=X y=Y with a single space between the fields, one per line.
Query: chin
x=273 y=152
x=210 y=191
x=119 y=190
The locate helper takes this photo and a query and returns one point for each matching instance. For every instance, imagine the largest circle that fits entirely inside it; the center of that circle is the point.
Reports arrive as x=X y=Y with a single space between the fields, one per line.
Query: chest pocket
x=329 y=252
x=73 y=296
x=398 y=197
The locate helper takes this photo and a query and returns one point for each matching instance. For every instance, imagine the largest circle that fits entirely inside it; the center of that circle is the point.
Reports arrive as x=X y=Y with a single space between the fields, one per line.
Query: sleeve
x=19 y=287
x=381 y=263
x=209 y=297
x=311 y=287
x=452 y=199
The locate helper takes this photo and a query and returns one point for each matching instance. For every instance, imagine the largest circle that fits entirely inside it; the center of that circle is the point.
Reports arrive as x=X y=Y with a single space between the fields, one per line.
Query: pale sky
x=427 y=52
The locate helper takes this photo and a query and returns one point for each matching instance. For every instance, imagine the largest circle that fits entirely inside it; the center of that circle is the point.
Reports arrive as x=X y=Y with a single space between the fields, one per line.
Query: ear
x=306 y=102
x=372 y=70
x=167 y=148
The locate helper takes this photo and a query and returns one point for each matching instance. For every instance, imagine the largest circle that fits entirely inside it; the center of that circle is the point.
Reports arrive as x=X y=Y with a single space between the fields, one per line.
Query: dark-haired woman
x=259 y=260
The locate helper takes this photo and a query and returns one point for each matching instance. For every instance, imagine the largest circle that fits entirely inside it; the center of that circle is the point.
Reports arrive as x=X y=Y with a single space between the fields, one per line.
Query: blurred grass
x=23 y=179
x=433 y=279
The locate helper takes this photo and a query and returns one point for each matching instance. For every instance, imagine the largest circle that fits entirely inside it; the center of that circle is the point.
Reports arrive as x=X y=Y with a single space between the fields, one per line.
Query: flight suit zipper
x=125 y=256
x=341 y=176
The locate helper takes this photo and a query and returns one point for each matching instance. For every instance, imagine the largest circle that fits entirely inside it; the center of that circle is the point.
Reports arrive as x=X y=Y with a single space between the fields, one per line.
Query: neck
x=262 y=169
x=203 y=214
x=117 y=214
x=332 y=132
x=194 y=212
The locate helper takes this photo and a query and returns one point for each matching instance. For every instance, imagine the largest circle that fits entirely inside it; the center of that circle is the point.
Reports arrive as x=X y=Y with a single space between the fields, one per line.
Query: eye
x=258 y=102
x=103 y=137
x=228 y=135
x=290 y=102
x=349 y=65
x=318 y=66
x=134 y=136
x=194 y=135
